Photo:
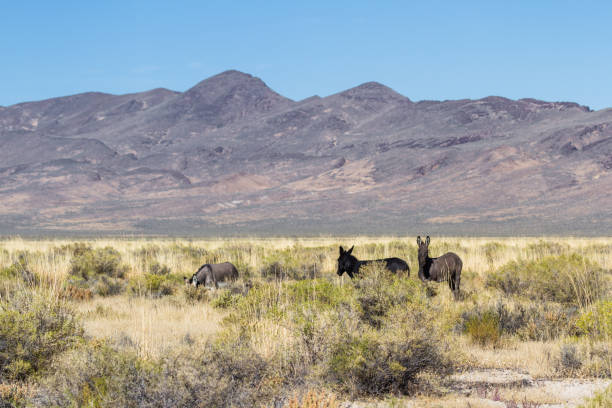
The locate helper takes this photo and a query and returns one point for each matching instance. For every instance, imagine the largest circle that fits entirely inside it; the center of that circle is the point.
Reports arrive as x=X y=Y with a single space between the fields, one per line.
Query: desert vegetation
x=110 y=322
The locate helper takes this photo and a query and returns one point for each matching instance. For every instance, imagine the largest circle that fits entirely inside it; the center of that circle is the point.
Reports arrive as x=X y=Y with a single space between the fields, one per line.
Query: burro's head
x=423 y=249
x=346 y=262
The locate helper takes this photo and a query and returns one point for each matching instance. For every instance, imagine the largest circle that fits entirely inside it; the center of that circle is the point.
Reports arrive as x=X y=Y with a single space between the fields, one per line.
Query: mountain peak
x=373 y=91
x=228 y=79
x=228 y=96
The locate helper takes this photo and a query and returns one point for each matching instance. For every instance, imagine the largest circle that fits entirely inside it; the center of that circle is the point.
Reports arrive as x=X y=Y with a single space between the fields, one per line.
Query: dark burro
x=444 y=268
x=212 y=274
x=350 y=264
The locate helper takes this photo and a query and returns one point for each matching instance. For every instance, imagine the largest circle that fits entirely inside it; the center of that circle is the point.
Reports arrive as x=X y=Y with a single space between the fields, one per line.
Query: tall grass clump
x=568 y=279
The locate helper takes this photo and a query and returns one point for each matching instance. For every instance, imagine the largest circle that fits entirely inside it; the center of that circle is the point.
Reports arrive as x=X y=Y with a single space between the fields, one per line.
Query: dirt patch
x=499 y=388
x=501 y=385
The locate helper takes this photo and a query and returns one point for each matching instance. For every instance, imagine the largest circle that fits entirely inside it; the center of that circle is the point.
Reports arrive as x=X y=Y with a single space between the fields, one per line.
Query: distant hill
x=232 y=157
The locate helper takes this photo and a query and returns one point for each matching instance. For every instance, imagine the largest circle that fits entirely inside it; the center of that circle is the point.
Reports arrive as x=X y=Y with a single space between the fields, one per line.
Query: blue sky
x=551 y=50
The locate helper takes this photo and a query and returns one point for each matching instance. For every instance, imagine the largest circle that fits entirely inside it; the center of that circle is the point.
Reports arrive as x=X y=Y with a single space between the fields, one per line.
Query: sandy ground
x=501 y=388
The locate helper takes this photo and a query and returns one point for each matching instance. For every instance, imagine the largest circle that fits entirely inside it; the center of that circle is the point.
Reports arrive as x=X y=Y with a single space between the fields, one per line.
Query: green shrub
x=484 y=329
x=96 y=375
x=153 y=285
x=566 y=279
x=99 y=270
x=379 y=291
x=90 y=263
x=217 y=375
x=34 y=328
x=193 y=294
x=155 y=268
x=278 y=300
x=596 y=321
x=20 y=271
x=540 y=321
x=225 y=299
x=374 y=363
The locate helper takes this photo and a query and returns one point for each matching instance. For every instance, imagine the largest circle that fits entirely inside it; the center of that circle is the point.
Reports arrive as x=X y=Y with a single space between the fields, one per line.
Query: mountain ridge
x=230 y=155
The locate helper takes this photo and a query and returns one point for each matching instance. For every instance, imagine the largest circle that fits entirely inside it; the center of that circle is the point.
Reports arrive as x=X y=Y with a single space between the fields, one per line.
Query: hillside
x=231 y=156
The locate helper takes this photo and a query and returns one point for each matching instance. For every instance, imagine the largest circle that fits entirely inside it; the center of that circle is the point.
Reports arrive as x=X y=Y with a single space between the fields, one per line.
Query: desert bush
x=225 y=299
x=393 y=341
x=276 y=270
x=379 y=292
x=375 y=363
x=596 y=321
x=99 y=270
x=584 y=359
x=15 y=395
x=96 y=375
x=193 y=294
x=548 y=321
x=484 y=328
x=217 y=375
x=597 y=361
x=33 y=328
x=155 y=268
x=71 y=292
x=19 y=270
x=547 y=248
x=154 y=285
x=568 y=360
x=566 y=278
x=278 y=300
x=542 y=321
x=88 y=263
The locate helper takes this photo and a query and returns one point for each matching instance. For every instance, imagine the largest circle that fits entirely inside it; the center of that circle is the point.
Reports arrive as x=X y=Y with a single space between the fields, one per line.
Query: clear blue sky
x=551 y=50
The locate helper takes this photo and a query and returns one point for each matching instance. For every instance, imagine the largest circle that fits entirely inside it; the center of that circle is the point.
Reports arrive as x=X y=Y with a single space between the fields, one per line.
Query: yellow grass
x=473 y=251
x=152 y=325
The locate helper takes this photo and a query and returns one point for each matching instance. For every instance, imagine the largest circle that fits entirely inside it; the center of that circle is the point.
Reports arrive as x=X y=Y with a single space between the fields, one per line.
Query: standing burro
x=212 y=274
x=444 y=268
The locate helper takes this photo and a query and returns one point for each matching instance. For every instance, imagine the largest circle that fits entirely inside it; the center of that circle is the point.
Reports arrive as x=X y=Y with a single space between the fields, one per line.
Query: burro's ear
x=341 y=250
x=419 y=240
x=350 y=250
x=427 y=241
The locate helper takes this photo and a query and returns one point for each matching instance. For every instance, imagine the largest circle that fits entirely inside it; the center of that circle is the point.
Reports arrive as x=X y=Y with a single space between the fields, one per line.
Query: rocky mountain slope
x=231 y=156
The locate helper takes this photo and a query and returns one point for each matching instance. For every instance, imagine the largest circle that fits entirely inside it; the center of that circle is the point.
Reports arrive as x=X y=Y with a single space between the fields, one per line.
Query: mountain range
x=232 y=157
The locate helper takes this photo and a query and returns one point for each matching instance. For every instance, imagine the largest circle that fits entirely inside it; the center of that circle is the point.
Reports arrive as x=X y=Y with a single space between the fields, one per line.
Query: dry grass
x=153 y=326
x=479 y=255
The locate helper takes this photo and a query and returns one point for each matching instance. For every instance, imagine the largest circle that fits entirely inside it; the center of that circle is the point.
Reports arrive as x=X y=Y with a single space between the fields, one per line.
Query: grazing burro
x=444 y=268
x=212 y=274
x=350 y=264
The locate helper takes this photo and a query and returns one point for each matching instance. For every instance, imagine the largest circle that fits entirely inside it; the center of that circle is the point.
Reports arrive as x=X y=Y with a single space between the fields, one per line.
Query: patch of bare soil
x=509 y=386
x=500 y=388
